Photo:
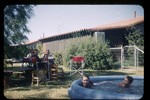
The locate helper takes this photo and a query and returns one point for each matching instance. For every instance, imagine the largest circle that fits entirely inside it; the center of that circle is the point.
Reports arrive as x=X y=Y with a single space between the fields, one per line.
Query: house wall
x=115 y=37
x=140 y=27
x=61 y=45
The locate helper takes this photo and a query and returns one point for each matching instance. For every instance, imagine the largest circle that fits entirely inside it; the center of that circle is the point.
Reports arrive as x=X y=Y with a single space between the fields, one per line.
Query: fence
x=128 y=56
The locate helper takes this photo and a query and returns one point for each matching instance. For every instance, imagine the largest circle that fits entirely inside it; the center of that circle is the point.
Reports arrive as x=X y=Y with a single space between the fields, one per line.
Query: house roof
x=115 y=25
x=32 y=42
x=120 y=24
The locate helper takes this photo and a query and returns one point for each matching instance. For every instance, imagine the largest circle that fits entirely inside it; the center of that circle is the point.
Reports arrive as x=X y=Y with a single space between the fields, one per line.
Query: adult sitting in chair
x=33 y=58
x=48 y=57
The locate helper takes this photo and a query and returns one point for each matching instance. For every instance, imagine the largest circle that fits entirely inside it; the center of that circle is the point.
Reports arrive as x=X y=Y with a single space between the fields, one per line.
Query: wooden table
x=27 y=74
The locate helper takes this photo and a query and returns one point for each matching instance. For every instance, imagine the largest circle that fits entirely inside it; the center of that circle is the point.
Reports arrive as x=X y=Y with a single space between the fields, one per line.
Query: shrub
x=58 y=58
x=97 y=53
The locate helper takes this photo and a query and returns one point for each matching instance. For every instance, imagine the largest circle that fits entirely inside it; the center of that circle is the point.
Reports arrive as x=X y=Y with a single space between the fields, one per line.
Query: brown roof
x=115 y=25
x=64 y=33
x=31 y=42
x=120 y=24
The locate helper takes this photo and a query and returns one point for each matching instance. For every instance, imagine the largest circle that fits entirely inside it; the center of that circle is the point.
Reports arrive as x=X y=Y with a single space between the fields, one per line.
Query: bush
x=58 y=58
x=97 y=54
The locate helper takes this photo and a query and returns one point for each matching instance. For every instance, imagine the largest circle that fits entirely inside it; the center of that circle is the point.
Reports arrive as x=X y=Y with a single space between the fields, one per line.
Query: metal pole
x=134 y=56
x=71 y=65
x=137 y=59
x=121 y=57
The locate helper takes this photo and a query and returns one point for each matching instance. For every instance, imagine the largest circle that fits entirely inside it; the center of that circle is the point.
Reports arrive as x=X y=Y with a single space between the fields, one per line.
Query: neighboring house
x=115 y=33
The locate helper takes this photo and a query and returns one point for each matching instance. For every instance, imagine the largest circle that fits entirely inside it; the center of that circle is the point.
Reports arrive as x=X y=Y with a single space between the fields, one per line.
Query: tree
x=135 y=37
x=15 y=29
x=39 y=47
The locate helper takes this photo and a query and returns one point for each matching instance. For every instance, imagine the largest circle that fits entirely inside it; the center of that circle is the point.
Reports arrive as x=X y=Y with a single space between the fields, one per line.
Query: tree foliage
x=39 y=47
x=19 y=52
x=15 y=29
x=135 y=37
x=58 y=58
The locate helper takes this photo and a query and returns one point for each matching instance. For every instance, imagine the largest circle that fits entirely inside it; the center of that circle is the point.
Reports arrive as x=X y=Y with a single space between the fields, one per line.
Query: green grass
x=56 y=89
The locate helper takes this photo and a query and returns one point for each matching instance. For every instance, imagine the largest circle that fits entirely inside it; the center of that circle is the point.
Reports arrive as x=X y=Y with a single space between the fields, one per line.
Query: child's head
x=127 y=81
x=85 y=80
x=47 y=51
x=130 y=79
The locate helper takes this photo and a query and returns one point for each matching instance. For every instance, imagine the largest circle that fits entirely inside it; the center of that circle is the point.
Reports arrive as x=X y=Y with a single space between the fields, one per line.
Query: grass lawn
x=56 y=89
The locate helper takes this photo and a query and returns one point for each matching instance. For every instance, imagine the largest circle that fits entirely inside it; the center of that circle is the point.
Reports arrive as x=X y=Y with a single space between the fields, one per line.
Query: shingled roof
x=120 y=24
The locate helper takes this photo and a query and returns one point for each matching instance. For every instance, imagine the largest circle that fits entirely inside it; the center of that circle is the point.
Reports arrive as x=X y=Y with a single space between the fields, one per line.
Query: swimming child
x=126 y=82
x=86 y=82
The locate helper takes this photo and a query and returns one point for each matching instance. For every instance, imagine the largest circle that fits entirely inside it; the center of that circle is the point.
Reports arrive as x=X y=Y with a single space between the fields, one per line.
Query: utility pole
x=43 y=35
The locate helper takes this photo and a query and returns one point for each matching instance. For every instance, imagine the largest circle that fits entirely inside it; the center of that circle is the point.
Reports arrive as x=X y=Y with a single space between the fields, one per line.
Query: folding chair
x=42 y=72
x=77 y=65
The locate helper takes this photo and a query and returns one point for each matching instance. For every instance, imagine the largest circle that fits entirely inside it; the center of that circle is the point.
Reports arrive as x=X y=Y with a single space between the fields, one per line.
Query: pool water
x=112 y=86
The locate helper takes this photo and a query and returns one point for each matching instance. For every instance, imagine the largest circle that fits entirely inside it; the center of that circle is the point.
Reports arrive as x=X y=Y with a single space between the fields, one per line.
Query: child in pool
x=126 y=82
x=86 y=82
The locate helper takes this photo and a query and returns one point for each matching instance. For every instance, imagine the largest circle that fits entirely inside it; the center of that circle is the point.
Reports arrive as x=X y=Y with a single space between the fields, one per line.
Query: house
x=114 y=33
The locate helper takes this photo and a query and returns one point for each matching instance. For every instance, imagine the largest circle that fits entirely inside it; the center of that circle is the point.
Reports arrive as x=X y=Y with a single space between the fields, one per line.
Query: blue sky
x=52 y=20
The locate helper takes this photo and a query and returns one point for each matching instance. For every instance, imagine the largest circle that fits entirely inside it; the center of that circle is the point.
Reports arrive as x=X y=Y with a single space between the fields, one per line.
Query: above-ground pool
x=136 y=91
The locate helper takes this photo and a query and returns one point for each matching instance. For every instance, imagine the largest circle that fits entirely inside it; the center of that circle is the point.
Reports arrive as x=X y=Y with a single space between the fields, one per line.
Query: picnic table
x=25 y=70
x=14 y=61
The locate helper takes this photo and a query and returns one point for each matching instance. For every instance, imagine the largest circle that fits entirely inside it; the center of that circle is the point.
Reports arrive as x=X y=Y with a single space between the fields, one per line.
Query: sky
x=51 y=20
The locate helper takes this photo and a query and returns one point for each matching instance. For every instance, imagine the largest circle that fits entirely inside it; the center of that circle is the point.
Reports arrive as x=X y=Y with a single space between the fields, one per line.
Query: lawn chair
x=41 y=73
x=77 y=65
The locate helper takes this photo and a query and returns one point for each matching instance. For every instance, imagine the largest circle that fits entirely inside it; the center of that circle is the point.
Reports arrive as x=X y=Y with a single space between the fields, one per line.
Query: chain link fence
x=128 y=57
